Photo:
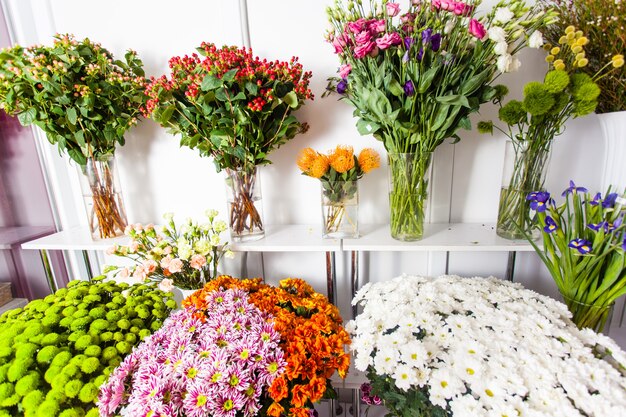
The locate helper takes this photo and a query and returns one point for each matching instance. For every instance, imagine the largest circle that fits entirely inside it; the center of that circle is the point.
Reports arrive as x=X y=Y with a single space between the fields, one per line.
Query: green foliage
x=75 y=91
x=54 y=367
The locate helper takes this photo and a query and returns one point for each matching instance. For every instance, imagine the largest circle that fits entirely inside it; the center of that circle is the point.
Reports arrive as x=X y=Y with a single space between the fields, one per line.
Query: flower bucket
x=102 y=196
x=245 y=212
x=409 y=188
x=340 y=208
x=525 y=168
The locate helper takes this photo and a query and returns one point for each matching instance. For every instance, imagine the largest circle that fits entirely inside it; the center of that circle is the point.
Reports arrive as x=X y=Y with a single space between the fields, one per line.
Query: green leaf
x=291 y=99
x=395 y=88
x=366 y=127
x=77 y=156
x=71 y=115
x=453 y=99
x=221 y=94
x=210 y=82
x=426 y=79
x=80 y=138
x=252 y=88
x=229 y=76
x=240 y=96
x=27 y=117
x=167 y=114
x=475 y=82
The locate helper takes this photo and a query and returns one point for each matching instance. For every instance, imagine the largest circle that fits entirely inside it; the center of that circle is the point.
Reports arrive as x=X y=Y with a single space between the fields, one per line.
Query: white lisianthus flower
x=503 y=15
x=501 y=48
x=229 y=254
x=497 y=34
x=535 y=40
x=504 y=63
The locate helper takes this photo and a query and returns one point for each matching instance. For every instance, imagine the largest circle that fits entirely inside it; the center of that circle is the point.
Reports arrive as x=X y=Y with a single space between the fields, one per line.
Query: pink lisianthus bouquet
x=185 y=257
x=416 y=75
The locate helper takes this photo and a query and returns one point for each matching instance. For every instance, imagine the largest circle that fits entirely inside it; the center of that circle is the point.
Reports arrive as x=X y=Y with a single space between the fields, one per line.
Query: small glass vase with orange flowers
x=338 y=172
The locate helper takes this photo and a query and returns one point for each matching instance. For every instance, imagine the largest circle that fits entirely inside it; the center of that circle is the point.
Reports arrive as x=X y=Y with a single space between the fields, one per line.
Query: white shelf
x=10 y=236
x=450 y=237
x=74 y=239
x=290 y=238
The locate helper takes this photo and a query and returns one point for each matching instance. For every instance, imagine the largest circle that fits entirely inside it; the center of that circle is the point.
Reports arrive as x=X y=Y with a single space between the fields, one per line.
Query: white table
x=12 y=237
x=75 y=239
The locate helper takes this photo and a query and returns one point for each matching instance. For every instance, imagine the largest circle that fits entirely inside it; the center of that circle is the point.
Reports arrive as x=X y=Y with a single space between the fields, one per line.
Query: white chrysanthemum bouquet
x=481 y=347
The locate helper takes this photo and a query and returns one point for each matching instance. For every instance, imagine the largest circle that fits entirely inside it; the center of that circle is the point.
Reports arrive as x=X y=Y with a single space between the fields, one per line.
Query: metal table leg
x=45 y=260
x=510 y=266
x=87 y=265
x=356 y=402
x=354 y=280
x=331 y=279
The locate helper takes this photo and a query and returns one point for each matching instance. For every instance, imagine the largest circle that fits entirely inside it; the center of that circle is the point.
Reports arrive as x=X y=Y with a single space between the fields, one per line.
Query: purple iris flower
x=597 y=226
x=435 y=42
x=596 y=199
x=609 y=200
x=550 y=225
x=573 y=189
x=342 y=86
x=409 y=88
x=583 y=246
x=539 y=200
x=408 y=42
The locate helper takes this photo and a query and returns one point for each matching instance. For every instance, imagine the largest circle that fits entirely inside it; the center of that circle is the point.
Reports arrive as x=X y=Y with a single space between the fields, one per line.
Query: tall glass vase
x=525 y=168
x=102 y=196
x=245 y=211
x=409 y=187
x=340 y=205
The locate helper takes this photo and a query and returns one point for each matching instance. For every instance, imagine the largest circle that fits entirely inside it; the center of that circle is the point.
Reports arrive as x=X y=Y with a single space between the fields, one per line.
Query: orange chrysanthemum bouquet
x=310 y=344
x=339 y=171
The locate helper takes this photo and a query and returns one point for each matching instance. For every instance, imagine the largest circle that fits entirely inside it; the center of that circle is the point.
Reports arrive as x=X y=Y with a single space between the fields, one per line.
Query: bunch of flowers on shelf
x=415 y=76
x=239 y=347
x=584 y=240
x=84 y=100
x=338 y=172
x=531 y=124
x=234 y=107
x=472 y=346
x=185 y=257
x=604 y=23
x=57 y=351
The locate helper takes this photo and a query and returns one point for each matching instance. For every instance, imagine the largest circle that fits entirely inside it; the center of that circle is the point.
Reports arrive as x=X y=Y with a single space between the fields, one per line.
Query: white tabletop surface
x=74 y=239
x=10 y=236
x=290 y=238
x=460 y=237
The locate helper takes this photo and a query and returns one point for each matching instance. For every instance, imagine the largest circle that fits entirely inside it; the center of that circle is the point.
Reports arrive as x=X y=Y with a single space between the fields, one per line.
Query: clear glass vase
x=340 y=209
x=245 y=211
x=409 y=188
x=102 y=196
x=525 y=167
x=592 y=316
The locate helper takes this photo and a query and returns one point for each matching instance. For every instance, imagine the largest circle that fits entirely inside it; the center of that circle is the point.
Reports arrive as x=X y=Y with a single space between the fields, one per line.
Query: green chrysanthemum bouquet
x=566 y=91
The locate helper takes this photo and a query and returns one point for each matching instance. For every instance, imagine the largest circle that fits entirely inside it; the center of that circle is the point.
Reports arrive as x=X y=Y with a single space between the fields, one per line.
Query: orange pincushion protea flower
x=342 y=159
x=306 y=158
x=369 y=160
x=319 y=167
x=312 y=338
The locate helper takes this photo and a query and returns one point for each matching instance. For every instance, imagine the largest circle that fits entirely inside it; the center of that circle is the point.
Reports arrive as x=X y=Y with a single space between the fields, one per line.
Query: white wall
x=158 y=176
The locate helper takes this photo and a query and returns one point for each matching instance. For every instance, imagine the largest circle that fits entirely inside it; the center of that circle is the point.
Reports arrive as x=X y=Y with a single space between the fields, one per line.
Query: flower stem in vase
x=243 y=195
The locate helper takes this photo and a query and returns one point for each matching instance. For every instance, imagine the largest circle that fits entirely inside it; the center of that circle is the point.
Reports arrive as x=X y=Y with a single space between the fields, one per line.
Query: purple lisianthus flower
x=583 y=246
x=342 y=86
x=408 y=42
x=426 y=35
x=420 y=54
x=405 y=57
x=609 y=200
x=435 y=42
x=596 y=199
x=573 y=189
x=624 y=244
x=409 y=88
x=539 y=200
x=550 y=225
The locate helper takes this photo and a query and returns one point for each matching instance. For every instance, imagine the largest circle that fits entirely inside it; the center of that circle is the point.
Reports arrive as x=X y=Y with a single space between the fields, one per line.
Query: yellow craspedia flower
x=617 y=61
x=555 y=50
x=306 y=158
x=319 y=167
x=342 y=159
x=570 y=29
x=550 y=58
x=577 y=49
x=570 y=36
x=562 y=40
x=580 y=56
x=582 y=41
x=559 y=66
x=368 y=160
x=582 y=62
x=579 y=34
x=558 y=62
